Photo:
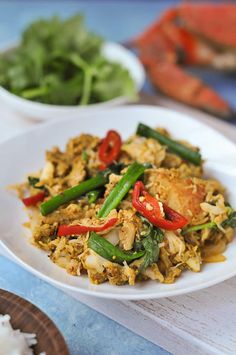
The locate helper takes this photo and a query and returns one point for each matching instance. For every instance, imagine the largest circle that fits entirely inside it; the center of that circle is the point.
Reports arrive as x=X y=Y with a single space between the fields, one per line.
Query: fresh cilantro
x=60 y=62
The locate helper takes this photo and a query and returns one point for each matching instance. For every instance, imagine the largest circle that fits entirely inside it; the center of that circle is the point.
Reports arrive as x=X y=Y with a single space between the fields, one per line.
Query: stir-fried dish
x=126 y=211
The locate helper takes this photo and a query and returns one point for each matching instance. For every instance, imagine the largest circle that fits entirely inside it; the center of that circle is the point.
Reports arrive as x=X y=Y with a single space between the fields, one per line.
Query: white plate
x=25 y=153
x=44 y=112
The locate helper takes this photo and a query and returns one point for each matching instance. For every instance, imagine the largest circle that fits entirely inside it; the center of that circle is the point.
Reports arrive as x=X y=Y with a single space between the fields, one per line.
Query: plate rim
x=119 y=296
x=130 y=107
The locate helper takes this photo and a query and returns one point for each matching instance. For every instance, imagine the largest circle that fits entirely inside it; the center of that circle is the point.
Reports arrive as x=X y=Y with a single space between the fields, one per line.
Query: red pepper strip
x=141 y=206
x=150 y=209
x=102 y=167
x=65 y=230
x=175 y=220
x=110 y=147
x=33 y=200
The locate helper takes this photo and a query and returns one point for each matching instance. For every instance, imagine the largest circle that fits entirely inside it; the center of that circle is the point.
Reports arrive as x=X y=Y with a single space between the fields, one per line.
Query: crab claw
x=174 y=82
x=190 y=34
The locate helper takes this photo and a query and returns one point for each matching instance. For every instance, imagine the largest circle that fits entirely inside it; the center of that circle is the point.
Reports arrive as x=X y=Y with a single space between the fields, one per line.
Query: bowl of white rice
x=13 y=341
x=26 y=330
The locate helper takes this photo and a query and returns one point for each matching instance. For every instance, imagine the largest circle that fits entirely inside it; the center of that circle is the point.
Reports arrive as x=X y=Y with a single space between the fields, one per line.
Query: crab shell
x=199 y=35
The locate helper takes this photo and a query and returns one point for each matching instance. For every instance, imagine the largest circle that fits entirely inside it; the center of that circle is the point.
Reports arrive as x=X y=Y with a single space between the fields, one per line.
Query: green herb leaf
x=60 y=62
x=151 y=237
x=33 y=181
x=231 y=221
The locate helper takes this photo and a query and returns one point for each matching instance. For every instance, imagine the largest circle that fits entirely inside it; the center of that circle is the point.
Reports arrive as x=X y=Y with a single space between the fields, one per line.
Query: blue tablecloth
x=86 y=331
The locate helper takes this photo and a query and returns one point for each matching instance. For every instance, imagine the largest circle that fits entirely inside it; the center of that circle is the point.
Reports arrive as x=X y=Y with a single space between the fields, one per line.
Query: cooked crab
x=190 y=35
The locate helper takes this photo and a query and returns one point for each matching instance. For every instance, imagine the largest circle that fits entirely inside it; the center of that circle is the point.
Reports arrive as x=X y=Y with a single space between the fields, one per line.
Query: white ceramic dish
x=25 y=153
x=44 y=112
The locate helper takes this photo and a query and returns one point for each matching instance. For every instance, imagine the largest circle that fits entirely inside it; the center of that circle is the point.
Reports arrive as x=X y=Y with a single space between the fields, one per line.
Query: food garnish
x=150 y=239
x=34 y=199
x=109 y=149
x=158 y=213
x=64 y=230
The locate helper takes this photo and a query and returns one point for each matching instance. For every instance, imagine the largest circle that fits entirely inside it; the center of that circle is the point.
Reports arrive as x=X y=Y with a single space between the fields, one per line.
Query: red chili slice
x=149 y=207
x=65 y=230
x=174 y=219
x=110 y=146
x=33 y=200
x=102 y=167
x=148 y=201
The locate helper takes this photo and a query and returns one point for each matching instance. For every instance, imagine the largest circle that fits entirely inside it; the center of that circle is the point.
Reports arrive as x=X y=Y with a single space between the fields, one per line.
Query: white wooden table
x=203 y=322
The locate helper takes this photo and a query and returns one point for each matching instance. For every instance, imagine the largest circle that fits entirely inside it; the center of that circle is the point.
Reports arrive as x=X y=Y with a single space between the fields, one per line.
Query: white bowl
x=25 y=153
x=44 y=112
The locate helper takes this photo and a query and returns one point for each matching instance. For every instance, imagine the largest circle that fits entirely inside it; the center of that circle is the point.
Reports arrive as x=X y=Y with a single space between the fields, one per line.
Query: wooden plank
x=141 y=321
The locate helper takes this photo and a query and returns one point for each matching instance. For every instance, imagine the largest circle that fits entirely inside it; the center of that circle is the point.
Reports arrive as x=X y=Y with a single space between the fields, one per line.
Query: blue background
x=86 y=331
